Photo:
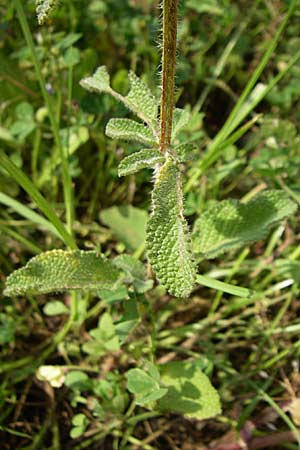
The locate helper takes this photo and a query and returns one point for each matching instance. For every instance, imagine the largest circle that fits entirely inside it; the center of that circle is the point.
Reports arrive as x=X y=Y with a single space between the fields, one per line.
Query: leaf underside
x=181 y=118
x=168 y=240
x=231 y=224
x=58 y=270
x=144 y=159
x=130 y=130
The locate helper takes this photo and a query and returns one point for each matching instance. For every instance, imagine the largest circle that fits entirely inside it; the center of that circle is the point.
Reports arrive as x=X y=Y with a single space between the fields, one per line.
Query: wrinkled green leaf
x=168 y=240
x=143 y=102
x=143 y=159
x=59 y=270
x=189 y=391
x=231 y=224
x=130 y=130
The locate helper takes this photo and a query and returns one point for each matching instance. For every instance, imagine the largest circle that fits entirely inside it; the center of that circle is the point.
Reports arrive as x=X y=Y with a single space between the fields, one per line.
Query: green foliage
x=103 y=338
x=168 y=240
x=181 y=118
x=130 y=130
x=189 y=391
x=145 y=384
x=230 y=224
x=144 y=159
x=55 y=308
x=59 y=270
x=139 y=100
x=135 y=272
x=127 y=223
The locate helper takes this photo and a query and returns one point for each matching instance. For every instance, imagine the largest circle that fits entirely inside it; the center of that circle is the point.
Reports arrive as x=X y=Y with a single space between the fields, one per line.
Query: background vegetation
x=250 y=347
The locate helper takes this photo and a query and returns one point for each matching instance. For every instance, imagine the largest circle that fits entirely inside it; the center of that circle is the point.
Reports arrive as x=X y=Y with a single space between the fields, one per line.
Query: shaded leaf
x=143 y=159
x=181 y=118
x=130 y=130
x=168 y=240
x=59 y=270
x=55 y=308
x=231 y=224
x=186 y=152
x=127 y=223
x=135 y=271
x=189 y=391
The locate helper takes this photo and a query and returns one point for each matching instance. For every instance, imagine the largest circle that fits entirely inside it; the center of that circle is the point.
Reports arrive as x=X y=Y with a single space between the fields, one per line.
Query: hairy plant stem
x=170 y=8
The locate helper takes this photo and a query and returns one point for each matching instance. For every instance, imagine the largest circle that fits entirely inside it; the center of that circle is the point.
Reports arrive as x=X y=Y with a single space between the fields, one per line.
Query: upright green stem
x=170 y=8
x=67 y=182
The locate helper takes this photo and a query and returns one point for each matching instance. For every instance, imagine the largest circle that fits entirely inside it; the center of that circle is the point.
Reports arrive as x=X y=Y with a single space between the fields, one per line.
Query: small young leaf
x=55 y=308
x=181 y=118
x=135 y=272
x=99 y=82
x=59 y=270
x=168 y=240
x=130 y=130
x=186 y=152
x=189 y=391
x=127 y=223
x=143 y=159
x=142 y=100
x=230 y=224
x=139 y=382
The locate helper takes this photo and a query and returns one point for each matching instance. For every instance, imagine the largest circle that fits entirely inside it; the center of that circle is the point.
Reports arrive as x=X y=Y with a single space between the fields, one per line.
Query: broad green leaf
x=130 y=130
x=127 y=223
x=139 y=382
x=142 y=101
x=59 y=270
x=143 y=159
x=99 y=82
x=231 y=224
x=189 y=391
x=168 y=240
x=55 y=308
x=44 y=9
x=181 y=118
x=135 y=272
